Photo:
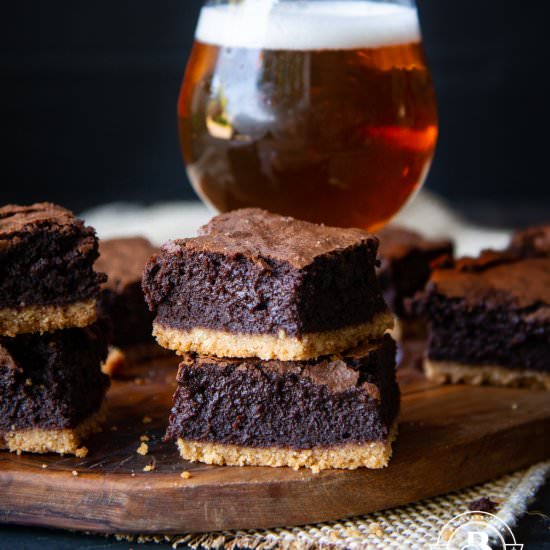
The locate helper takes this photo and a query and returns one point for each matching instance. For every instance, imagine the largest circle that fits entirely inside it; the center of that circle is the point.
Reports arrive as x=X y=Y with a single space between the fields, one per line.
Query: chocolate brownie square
x=531 y=241
x=407 y=259
x=337 y=411
x=489 y=320
x=51 y=389
x=47 y=280
x=256 y=284
x=122 y=305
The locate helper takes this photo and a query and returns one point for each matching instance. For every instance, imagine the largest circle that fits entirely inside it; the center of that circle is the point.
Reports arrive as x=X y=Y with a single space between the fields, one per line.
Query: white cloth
x=161 y=222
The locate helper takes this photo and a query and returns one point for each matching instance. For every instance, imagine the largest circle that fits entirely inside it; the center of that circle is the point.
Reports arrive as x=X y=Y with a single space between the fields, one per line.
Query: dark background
x=89 y=94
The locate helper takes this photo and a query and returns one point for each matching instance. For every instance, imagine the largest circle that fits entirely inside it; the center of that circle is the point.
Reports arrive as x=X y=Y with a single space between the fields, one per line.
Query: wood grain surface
x=450 y=437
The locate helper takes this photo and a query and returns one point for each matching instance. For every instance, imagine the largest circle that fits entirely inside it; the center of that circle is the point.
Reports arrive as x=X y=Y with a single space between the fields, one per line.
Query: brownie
x=492 y=310
x=121 y=301
x=406 y=260
x=46 y=257
x=483 y=504
x=331 y=401
x=255 y=273
x=51 y=381
x=531 y=241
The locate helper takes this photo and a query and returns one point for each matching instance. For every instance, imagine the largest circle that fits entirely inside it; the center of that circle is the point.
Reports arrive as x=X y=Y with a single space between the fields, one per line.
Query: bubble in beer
x=308 y=26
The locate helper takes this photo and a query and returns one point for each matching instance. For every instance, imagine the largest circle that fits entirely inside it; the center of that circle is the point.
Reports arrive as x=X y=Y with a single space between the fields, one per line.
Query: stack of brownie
x=281 y=325
x=489 y=316
x=51 y=385
x=122 y=308
x=406 y=262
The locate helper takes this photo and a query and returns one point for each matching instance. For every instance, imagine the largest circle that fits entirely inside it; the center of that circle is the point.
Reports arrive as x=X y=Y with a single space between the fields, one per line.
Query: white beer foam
x=299 y=25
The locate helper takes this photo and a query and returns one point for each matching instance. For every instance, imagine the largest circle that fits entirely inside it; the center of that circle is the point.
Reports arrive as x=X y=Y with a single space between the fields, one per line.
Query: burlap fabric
x=416 y=526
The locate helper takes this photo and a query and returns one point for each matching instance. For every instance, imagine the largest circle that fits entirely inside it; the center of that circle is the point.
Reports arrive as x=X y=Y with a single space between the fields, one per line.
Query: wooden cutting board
x=450 y=437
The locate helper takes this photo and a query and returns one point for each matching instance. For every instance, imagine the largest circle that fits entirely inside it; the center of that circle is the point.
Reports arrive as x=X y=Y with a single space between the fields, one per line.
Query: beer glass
x=322 y=110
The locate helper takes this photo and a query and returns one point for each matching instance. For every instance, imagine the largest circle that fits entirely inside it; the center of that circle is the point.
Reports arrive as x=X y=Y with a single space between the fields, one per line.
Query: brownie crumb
x=143 y=449
x=484 y=504
x=81 y=452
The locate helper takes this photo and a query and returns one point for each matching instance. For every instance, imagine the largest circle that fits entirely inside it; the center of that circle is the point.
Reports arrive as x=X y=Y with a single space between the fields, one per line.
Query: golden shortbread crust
x=477 y=375
x=371 y=454
x=115 y=362
x=265 y=346
x=48 y=318
x=61 y=441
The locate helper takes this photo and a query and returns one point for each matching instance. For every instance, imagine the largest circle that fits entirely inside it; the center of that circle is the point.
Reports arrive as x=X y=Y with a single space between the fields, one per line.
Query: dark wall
x=488 y=61
x=90 y=99
x=89 y=95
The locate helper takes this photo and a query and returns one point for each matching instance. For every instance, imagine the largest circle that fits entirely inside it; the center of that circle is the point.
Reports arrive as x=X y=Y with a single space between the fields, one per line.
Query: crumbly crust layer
x=44 y=440
x=115 y=363
x=477 y=375
x=46 y=318
x=265 y=346
x=371 y=454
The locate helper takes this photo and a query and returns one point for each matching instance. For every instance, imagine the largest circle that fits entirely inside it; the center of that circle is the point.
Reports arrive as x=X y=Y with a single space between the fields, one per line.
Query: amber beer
x=325 y=112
